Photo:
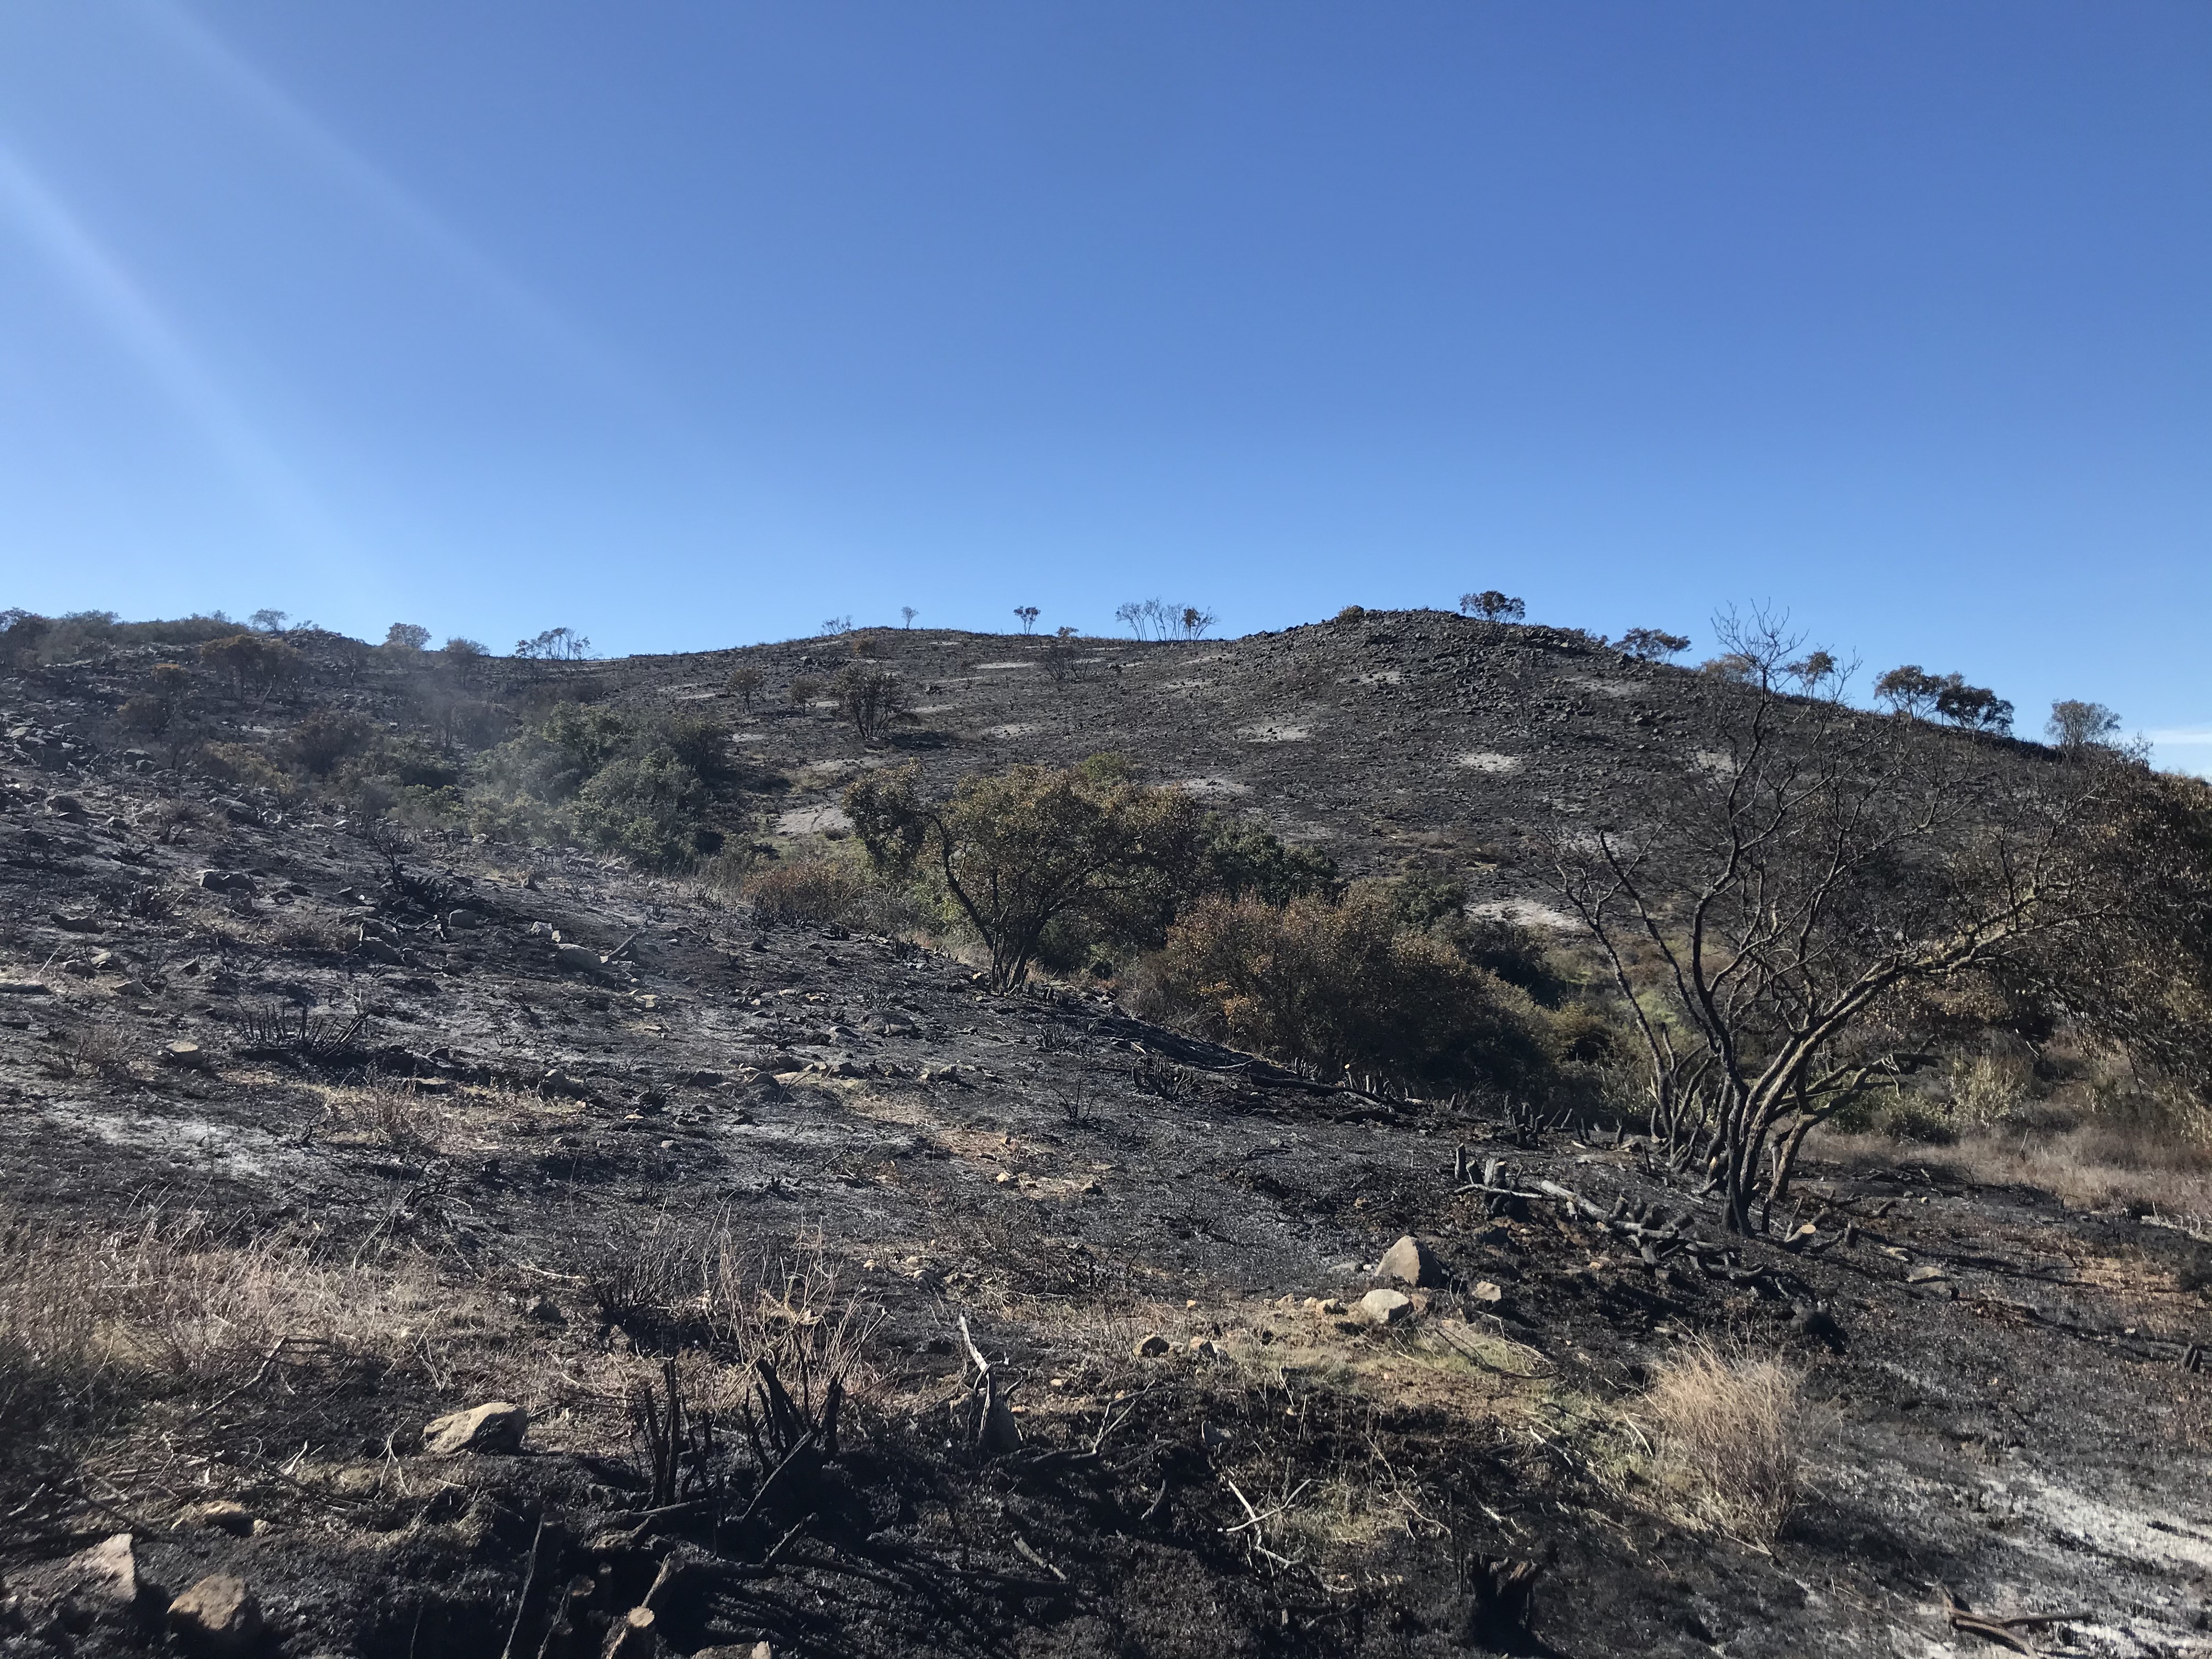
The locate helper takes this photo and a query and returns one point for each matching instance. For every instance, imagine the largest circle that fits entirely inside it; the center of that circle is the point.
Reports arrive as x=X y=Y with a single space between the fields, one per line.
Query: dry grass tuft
x=2094 y=1165
x=309 y=935
x=805 y=890
x=96 y=1329
x=692 y=1282
x=1732 y=1424
x=390 y=1114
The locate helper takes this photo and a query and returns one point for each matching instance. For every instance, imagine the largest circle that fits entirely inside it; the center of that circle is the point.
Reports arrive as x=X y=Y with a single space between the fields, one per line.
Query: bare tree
x=1027 y=615
x=907 y=614
x=1059 y=659
x=871 y=698
x=1156 y=619
x=269 y=622
x=1784 y=923
x=833 y=626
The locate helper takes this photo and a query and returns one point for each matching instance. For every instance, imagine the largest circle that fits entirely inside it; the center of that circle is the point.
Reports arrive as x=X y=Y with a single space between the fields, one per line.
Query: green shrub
x=1022 y=851
x=1345 y=989
x=647 y=808
x=646 y=790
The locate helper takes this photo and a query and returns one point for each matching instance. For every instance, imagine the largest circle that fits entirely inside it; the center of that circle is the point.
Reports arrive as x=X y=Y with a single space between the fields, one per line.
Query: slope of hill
x=310 y=1144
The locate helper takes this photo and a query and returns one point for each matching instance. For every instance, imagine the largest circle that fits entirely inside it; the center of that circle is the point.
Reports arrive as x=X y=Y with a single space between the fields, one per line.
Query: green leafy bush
x=646 y=790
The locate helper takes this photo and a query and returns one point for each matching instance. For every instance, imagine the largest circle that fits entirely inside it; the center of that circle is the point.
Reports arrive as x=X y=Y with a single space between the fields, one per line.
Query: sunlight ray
x=95 y=276
x=515 y=302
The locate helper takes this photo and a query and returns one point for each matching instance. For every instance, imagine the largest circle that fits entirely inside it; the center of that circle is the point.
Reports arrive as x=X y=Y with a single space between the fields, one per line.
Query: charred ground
x=385 y=1184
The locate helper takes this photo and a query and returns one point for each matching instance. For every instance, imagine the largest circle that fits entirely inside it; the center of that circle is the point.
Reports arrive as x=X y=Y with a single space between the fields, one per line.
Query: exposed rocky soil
x=2011 y=1411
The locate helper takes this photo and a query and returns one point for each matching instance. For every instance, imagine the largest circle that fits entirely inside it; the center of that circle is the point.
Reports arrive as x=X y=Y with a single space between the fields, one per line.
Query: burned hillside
x=447 y=1216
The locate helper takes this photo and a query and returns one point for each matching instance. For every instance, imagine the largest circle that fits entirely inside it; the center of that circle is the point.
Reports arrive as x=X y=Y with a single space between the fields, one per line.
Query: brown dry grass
x=1732 y=1426
x=692 y=1281
x=391 y=1114
x=2093 y=1165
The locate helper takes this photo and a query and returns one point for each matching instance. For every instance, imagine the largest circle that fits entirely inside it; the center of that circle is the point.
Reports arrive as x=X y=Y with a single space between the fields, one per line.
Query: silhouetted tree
x=2077 y=726
x=555 y=645
x=1972 y=707
x=1652 y=644
x=1813 y=671
x=1027 y=614
x=404 y=638
x=1910 y=690
x=1494 y=606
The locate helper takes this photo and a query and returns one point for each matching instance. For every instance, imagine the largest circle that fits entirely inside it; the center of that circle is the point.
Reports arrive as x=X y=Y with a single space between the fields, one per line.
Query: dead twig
x=253 y=1382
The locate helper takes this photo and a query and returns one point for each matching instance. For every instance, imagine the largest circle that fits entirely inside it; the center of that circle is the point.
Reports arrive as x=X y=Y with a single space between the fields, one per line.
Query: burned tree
x=1794 y=921
x=871 y=699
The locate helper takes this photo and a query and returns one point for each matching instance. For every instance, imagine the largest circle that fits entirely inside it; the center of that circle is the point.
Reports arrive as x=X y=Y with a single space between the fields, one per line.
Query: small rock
x=1326 y=1305
x=704 y=1080
x=544 y=1310
x=24 y=987
x=494 y=1427
x=1386 y=1307
x=464 y=919
x=226 y=881
x=109 y=1569
x=377 y=951
x=223 y=1513
x=65 y=806
x=190 y=1056
x=218 y=1616
x=1409 y=1261
x=576 y=959
x=1483 y=1290
x=1154 y=1346
x=1925 y=1275
x=1202 y=1349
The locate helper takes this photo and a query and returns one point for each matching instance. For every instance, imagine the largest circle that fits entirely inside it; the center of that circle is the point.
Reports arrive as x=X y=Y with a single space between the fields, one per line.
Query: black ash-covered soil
x=2008 y=1408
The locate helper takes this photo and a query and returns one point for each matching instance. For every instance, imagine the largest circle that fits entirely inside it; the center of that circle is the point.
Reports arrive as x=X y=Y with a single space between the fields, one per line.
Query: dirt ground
x=493 y=1167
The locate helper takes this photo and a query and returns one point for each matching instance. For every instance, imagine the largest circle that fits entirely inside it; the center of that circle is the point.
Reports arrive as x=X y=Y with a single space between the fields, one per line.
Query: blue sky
x=688 y=324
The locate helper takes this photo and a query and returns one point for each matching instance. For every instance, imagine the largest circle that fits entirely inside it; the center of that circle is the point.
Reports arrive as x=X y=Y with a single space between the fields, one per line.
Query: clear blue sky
x=687 y=324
